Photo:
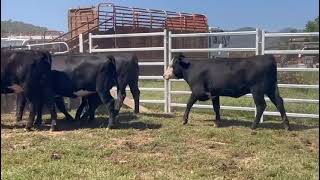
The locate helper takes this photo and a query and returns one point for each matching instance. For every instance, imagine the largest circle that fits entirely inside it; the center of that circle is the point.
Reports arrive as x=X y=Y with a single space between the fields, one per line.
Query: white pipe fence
x=52 y=43
x=259 y=49
x=163 y=63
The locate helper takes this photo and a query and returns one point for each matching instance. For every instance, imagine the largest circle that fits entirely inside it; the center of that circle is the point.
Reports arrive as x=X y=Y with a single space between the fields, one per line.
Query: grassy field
x=158 y=146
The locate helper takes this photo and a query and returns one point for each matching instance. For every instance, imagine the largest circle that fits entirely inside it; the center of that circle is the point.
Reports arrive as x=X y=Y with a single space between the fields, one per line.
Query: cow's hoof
x=53 y=128
x=111 y=126
x=70 y=119
x=185 y=121
x=18 y=120
x=216 y=124
x=37 y=126
x=18 y=123
x=254 y=126
x=287 y=126
x=27 y=129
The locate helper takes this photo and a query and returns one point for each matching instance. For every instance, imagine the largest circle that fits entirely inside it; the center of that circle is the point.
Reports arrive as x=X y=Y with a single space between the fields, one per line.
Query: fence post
x=80 y=43
x=165 y=65
x=258 y=52
x=169 y=61
x=262 y=42
x=257 y=41
x=90 y=42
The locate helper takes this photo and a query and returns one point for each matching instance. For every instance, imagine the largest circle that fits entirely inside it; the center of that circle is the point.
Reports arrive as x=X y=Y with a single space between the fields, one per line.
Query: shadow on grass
x=158 y=115
x=266 y=125
x=13 y=126
x=126 y=121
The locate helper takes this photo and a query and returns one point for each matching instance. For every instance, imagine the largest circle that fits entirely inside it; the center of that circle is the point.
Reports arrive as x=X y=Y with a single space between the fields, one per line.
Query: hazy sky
x=271 y=15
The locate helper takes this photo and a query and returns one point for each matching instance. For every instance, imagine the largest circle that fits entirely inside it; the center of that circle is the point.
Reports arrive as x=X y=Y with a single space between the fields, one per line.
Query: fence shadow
x=265 y=125
x=158 y=115
x=127 y=120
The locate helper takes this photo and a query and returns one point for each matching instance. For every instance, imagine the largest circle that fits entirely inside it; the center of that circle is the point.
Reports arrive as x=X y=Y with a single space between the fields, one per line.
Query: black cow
x=233 y=77
x=29 y=71
x=127 y=74
x=62 y=87
x=82 y=75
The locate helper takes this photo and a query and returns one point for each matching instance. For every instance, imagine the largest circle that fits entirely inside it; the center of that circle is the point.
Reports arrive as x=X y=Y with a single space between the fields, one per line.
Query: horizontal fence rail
x=214 y=50
x=91 y=37
x=306 y=34
x=51 y=43
x=285 y=51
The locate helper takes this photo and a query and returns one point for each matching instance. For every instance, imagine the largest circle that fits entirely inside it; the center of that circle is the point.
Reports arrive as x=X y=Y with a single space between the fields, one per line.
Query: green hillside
x=17 y=27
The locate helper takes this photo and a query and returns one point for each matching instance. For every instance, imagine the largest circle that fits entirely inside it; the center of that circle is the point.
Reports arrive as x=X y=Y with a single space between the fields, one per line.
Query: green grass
x=158 y=146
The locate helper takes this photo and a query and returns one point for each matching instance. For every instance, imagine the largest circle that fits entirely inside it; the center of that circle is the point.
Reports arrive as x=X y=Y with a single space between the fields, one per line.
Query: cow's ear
x=184 y=63
x=181 y=56
x=112 y=59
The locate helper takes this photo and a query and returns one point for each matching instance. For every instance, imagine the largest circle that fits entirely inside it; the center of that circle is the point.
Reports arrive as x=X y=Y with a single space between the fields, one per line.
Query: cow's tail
x=112 y=59
x=273 y=70
x=112 y=69
x=47 y=56
x=135 y=59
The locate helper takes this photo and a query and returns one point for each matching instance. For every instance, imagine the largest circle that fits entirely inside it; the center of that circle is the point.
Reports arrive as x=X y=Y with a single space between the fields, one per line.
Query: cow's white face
x=168 y=74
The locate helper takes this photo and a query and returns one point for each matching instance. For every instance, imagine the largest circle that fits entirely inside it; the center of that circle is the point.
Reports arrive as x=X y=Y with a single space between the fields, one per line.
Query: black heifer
x=89 y=74
x=29 y=71
x=127 y=74
x=81 y=75
x=233 y=77
x=62 y=87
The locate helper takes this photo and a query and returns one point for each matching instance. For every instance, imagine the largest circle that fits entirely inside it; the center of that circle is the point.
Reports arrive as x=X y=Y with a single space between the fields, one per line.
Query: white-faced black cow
x=233 y=77
x=29 y=71
x=127 y=74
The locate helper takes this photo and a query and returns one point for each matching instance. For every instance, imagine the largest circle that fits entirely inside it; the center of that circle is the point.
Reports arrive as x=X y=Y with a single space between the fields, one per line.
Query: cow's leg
x=89 y=105
x=108 y=101
x=94 y=102
x=38 y=121
x=21 y=103
x=103 y=86
x=32 y=114
x=191 y=101
x=136 y=95
x=216 y=107
x=258 y=97
x=80 y=108
x=53 y=114
x=121 y=96
x=89 y=110
x=50 y=103
x=62 y=108
x=278 y=102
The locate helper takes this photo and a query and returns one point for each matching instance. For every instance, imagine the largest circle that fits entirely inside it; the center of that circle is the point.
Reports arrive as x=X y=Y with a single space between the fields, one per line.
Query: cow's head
x=176 y=67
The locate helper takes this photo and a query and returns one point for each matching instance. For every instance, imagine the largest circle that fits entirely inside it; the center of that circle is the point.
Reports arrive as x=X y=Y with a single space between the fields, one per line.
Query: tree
x=312 y=26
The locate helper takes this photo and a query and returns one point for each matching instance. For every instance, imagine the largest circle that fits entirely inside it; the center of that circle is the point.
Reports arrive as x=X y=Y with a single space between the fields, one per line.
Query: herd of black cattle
x=42 y=79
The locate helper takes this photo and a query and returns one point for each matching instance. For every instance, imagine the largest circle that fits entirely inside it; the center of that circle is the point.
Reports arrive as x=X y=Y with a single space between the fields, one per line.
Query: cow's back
x=234 y=75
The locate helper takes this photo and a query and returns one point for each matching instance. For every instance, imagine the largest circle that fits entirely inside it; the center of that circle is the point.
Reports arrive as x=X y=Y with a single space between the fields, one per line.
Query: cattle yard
x=155 y=145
